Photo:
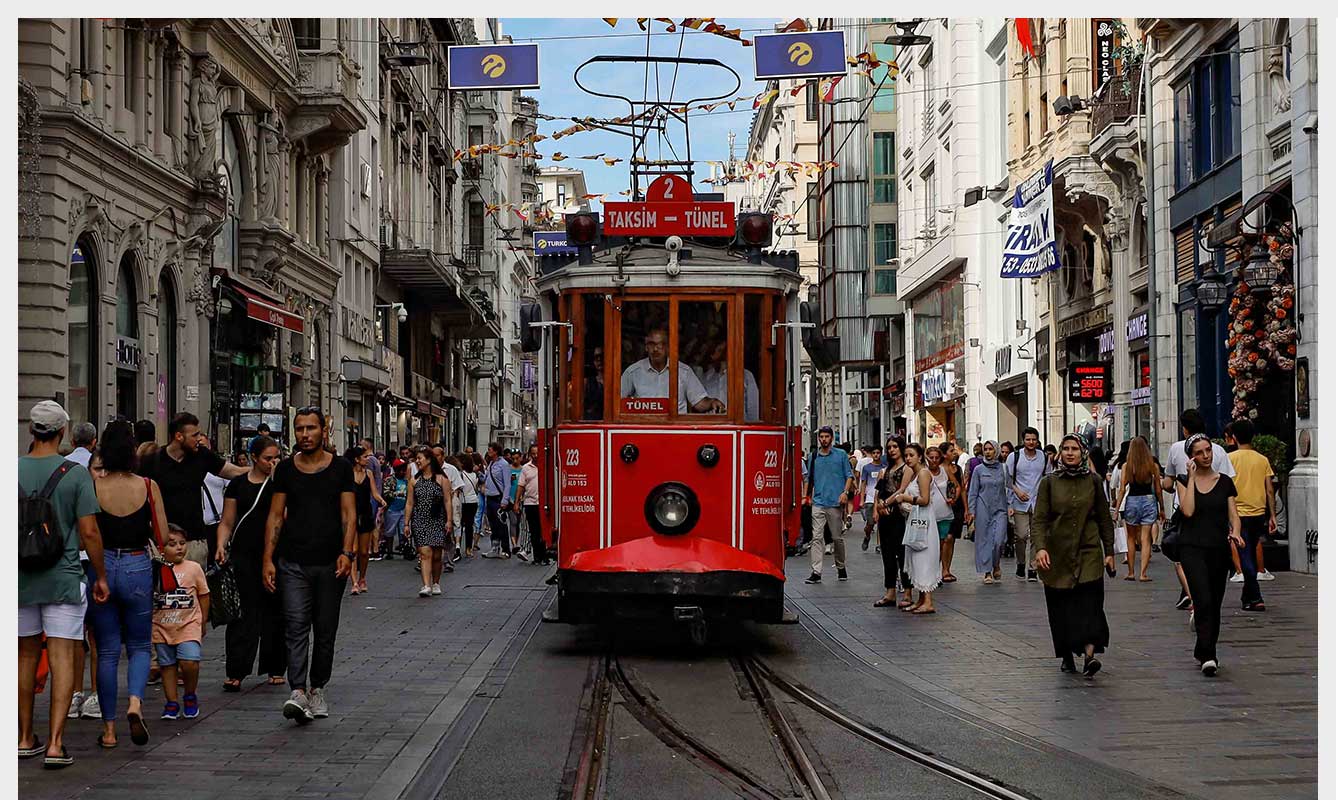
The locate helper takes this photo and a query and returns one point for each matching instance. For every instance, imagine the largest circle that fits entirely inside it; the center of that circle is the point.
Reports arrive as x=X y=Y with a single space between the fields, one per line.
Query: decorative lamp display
x=1260 y=272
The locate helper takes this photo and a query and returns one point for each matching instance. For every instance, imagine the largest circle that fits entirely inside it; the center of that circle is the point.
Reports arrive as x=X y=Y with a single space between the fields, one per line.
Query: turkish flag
x=1024 y=36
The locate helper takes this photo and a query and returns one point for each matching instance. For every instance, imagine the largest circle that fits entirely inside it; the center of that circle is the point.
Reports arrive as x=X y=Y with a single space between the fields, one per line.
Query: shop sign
x=1103 y=52
x=1043 y=351
x=1086 y=321
x=938 y=385
x=1142 y=396
x=1003 y=361
x=1089 y=382
x=127 y=353
x=1136 y=328
x=1105 y=343
x=1030 y=249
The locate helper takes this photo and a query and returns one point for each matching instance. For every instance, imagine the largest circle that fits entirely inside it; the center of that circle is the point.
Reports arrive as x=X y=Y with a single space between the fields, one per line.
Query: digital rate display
x=1089 y=383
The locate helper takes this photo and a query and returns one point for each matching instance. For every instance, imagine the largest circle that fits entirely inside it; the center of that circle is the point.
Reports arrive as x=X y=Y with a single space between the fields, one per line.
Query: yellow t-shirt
x=1252 y=474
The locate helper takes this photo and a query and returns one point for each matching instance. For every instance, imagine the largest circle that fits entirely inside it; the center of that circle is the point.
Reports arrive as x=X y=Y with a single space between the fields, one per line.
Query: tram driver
x=649 y=377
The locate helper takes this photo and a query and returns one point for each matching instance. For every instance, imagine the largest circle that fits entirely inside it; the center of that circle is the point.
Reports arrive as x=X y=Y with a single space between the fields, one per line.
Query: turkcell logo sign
x=493 y=66
x=552 y=243
x=1030 y=250
x=806 y=54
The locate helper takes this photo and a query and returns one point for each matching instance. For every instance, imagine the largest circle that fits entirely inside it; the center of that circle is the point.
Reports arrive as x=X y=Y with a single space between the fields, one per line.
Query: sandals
x=139 y=732
x=1130 y=578
x=989 y=580
x=883 y=602
x=919 y=611
x=38 y=748
x=58 y=762
x=276 y=680
x=1255 y=606
x=232 y=685
x=103 y=744
x=949 y=578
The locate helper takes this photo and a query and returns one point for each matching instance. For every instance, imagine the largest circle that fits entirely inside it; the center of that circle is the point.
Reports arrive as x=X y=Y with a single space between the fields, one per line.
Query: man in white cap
x=53 y=599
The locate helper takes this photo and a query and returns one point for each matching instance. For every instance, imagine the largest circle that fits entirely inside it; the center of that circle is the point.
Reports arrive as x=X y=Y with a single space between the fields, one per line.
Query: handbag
x=917 y=529
x=164 y=577
x=226 y=603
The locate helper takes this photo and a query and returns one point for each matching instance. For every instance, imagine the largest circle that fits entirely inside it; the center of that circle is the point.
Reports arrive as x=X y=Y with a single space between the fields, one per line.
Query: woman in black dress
x=1209 y=524
x=891 y=528
x=365 y=490
x=241 y=540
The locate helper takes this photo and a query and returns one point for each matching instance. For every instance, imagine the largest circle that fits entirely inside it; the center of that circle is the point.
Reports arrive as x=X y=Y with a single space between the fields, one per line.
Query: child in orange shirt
x=178 y=626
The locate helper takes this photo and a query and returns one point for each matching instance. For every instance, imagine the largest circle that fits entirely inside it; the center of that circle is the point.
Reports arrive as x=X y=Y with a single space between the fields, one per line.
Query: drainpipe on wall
x=1150 y=216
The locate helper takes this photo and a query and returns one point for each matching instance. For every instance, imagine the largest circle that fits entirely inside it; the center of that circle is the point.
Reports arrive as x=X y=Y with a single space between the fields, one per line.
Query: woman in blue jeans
x=129 y=507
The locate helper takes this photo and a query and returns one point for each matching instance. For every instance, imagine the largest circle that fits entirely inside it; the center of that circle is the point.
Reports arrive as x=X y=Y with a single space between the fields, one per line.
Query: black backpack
x=41 y=541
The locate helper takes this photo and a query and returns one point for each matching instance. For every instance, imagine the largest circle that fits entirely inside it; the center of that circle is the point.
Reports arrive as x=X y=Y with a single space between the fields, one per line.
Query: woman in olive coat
x=1072 y=532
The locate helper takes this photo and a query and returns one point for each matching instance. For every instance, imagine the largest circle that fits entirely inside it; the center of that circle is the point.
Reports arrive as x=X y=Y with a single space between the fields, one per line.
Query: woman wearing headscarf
x=1073 y=532
x=1209 y=521
x=987 y=507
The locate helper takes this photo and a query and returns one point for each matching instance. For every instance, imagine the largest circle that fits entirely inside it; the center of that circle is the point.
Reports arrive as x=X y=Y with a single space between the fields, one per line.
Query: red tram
x=669 y=426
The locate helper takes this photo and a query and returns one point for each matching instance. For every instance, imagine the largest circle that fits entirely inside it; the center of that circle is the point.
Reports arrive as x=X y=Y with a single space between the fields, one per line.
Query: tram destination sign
x=669 y=210
x=1089 y=383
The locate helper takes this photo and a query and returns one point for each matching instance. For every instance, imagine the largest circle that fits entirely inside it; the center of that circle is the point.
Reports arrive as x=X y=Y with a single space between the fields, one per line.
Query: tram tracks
x=612 y=683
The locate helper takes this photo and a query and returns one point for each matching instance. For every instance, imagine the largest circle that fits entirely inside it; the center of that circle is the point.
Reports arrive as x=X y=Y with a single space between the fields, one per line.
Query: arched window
x=167 y=351
x=127 y=339
x=81 y=320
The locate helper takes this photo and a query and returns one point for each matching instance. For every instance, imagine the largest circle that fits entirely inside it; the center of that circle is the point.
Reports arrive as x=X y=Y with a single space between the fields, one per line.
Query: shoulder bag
x=226 y=599
x=918 y=528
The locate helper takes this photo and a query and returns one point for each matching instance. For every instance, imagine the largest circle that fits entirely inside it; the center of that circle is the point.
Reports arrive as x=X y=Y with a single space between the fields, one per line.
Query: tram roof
x=646 y=265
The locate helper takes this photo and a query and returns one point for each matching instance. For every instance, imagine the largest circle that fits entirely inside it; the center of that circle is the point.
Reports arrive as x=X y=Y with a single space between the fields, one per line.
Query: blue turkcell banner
x=805 y=54
x=1030 y=249
x=493 y=66
x=552 y=243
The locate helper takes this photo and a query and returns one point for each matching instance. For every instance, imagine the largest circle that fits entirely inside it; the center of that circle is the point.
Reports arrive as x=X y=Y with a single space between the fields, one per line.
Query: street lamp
x=1066 y=106
x=406 y=58
x=1212 y=291
x=1260 y=272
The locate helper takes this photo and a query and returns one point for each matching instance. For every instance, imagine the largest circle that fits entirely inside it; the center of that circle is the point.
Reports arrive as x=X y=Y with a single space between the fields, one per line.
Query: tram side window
x=703 y=351
x=753 y=354
x=592 y=346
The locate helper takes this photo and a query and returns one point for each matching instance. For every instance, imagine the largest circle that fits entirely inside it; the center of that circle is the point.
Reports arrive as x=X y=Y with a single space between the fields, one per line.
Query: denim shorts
x=1140 y=509
x=170 y=654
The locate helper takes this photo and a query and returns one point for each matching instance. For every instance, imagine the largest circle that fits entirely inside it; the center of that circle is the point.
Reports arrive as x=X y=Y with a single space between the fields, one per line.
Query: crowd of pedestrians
x=121 y=537
x=1064 y=514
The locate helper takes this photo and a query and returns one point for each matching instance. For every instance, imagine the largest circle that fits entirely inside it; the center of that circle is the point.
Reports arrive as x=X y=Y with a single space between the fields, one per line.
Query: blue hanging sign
x=492 y=66
x=804 y=54
x=1030 y=250
x=552 y=243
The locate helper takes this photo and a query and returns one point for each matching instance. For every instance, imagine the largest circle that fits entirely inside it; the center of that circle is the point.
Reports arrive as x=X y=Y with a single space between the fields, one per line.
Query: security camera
x=401 y=313
x=1311 y=125
x=673 y=244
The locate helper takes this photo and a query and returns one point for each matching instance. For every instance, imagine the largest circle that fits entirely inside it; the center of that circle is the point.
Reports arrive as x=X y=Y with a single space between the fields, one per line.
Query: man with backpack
x=57 y=508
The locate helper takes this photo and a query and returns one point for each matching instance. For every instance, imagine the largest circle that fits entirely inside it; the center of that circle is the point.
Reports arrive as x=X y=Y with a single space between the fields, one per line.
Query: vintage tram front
x=671 y=443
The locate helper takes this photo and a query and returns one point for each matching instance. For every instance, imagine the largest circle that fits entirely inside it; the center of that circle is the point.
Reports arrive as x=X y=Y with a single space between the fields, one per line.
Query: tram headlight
x=672 y=508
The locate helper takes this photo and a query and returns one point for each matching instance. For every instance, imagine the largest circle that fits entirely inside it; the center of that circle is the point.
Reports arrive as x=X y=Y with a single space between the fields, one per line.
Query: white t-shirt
x=1177 y=463
x=471 y=487
x=938 y=494
x=214 y=485
x=642 y=380
x=963 y=460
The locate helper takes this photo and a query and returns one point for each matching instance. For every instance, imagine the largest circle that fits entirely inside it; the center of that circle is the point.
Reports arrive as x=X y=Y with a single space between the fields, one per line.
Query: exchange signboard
x=1089 y=382
x=669 y=210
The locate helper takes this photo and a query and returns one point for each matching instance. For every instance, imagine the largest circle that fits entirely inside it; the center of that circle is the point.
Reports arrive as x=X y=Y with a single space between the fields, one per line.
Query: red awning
x=263 y=309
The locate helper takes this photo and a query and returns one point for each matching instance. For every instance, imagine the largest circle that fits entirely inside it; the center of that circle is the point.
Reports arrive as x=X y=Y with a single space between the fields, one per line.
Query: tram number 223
x=771 y=459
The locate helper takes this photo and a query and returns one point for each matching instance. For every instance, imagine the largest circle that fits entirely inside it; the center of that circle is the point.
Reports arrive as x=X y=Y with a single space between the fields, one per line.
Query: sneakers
x=92 y=708
x=319 y=708
x=191 y=706
x=76 y=703
x=1031 y=576
x=426 y=591
x=1237 y=578
x=828 y=550
x=1265 y=575
x=521 y=555
x=814 y=578
x=298 y=708
x=436 y=591
x=846 y=524
x=841 y=575
x=1021 y=571
x=1208 y=668
x=1183 y=602
x=865 y=545
x=171 y=710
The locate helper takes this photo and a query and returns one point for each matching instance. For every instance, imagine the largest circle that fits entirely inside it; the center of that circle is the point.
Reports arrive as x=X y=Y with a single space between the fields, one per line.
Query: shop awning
x=1222 y=235
x=267 y=310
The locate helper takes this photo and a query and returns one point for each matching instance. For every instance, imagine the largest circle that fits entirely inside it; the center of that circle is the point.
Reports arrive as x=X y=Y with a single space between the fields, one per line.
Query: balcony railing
x=473 y=256
x=1119 y=101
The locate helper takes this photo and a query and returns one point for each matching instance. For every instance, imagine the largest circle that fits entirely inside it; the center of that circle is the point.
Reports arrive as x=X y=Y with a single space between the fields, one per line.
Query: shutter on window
x=1184 y=254
x=1233 y=252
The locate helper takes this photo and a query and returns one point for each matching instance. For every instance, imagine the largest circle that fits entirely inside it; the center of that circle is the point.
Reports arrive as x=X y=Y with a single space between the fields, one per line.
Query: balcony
x=1119 y=103
x=474 y=257
x=328 y=112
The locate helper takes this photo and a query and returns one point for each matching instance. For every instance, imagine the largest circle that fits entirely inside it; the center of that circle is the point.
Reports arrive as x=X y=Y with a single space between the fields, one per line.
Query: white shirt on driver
x=643 y=380
x=716 y=384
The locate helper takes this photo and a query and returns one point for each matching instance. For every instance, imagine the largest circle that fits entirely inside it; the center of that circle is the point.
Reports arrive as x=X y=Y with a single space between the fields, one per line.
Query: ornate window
x=81 y=319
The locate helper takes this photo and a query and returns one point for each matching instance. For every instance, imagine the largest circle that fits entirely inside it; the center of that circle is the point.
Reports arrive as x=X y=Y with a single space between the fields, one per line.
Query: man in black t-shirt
x=179 y=469
x=309 y=554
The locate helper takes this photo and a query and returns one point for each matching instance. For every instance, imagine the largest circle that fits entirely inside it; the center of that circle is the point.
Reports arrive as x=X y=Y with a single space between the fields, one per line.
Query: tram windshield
x=705 y=359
